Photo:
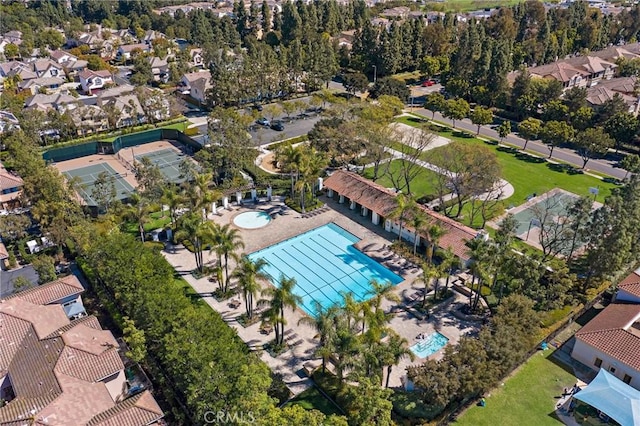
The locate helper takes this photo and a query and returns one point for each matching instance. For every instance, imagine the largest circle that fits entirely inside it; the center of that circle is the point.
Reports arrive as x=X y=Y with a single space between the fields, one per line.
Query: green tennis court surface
x=88 y=175
x=168 y=161
x=556 y=204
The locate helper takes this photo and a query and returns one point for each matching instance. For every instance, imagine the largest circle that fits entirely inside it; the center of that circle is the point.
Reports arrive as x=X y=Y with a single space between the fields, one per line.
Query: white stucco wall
x=587 y=355
x=116 y=385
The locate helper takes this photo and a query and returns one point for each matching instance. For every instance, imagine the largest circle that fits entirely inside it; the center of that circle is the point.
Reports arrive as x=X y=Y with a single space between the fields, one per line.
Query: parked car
x=257 y=107
x=263 y=121
x=277 y=125
x=428 y=83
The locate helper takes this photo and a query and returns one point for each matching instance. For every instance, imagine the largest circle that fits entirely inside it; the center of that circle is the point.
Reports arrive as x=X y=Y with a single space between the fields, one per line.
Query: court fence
x=125 y=141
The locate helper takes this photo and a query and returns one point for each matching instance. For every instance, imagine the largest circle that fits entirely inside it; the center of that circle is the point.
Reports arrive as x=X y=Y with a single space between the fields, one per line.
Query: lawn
x=469 y=5
x=527 y=398
x=422 y=184
x=156 y=220
x=312 y=399
x=526 y=173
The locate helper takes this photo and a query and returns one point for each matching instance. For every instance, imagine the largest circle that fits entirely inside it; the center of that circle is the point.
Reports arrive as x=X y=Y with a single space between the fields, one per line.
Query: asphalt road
x=607 y=166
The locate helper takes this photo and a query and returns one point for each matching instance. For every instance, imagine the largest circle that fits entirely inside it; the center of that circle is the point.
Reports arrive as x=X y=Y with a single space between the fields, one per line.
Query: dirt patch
x=268 y=163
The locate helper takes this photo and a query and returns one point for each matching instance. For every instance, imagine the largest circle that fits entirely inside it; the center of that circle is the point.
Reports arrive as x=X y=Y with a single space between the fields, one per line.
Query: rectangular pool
x=324 y=264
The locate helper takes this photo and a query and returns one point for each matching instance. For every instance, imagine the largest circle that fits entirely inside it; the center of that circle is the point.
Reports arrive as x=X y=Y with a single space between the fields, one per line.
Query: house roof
x=560 y=71
x=131 y=47
x=141 y=406
x=9 y=180
x=614 y=331
x=52 y=292
x=626 y=85
x=631 y=284
x=41 y=65
x=54 y=100
x=591 y=64
x=87 y=74
x=612 y=53
x=599 y=94
x=56 y=367
x=193 y=76
x=383 y=201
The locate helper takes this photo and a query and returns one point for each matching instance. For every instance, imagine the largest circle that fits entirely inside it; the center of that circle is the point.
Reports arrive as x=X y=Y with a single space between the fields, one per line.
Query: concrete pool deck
x=287 y=224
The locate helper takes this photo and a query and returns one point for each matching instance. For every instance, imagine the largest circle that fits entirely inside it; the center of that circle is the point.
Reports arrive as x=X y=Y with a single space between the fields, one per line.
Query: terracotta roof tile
x=51 y=292
x=12 y=332
x=612 y=333
x=141 y=409
x=45 y=319
x=78 y=402
x=9 y=180
x=382 y=201
x=631 y=284
x=88 y=367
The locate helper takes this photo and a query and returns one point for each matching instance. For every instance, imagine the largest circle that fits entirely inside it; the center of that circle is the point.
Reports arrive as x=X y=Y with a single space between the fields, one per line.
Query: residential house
x=131 y=112
x=58 y=101
x=613 y=53
x=8 y=121
x=611 y=340
x=13 y=36
x=579 y=71
x=624 y=87
x=89 y=119
x=398 y=13
x=376 y=202
x=10 y=189
x=70 y=63
x=91 y=39
x=127 y=51
x=196 y=85
x=19 y=71
x=79 y=373
x=37 y=85
x=94 y=80
x=196 y=58
x=114 y=92
x=629 y=288
x=64 y=291
x=159 y=68
x=151 y=35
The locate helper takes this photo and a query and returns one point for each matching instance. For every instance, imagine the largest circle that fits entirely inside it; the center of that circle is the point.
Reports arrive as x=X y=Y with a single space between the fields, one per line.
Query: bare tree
x=554 y=227
x=410 y=153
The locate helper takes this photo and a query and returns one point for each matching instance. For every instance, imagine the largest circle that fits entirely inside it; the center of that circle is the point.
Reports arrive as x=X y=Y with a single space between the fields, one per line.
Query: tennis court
x=168 y=161
x=88 y=175
x=555 y=202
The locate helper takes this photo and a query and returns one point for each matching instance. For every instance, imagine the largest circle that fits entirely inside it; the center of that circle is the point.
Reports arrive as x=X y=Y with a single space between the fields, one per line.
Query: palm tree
x=324 y=323
x=247 y=273
x=138 y=211
x=281 y=297
x=480 y=253
x=381 y=291
x=193 y=229
x=290 y=158
x=228 y=242
x=434 y=233
x=199 y=193
x=396 y=350
x=417 y=222
x=351 y=309
x=429 y=273
x=404 y=205
x=300 y=186
x=172 y=199
x=449 y=262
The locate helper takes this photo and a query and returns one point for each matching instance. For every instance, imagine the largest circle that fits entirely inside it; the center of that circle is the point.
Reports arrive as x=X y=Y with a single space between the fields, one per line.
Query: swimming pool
x=325 y=264
x=252 y=220
x=429 y=346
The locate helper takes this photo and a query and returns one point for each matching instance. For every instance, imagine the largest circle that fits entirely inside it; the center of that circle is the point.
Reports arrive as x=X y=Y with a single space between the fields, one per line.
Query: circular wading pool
x=252 y=220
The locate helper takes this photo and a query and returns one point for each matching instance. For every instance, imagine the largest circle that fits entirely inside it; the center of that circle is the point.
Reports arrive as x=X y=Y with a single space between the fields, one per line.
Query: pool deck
x=286 y=224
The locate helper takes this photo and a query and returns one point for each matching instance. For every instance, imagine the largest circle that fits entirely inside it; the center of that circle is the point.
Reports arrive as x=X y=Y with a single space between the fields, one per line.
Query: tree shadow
x=529 y=158
x=508 y=150
x=564 y=168
x=462 y=134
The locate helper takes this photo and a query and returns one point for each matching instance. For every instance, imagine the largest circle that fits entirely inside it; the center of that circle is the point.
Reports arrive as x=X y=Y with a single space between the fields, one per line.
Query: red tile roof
x=383 y=201
x=631 y=284
x=611 y=332
x=57 y=367
x=51 y=292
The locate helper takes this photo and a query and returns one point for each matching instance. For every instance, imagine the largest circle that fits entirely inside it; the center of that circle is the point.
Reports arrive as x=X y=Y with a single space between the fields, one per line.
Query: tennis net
x=126 y=163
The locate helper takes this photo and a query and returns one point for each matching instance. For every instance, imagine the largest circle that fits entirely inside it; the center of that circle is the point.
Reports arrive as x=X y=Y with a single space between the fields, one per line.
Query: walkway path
x=566 y=155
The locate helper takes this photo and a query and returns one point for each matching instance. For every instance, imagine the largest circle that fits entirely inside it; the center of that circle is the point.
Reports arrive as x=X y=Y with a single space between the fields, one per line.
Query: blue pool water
x=429 y=346
x=252 y=220
x=325 y=264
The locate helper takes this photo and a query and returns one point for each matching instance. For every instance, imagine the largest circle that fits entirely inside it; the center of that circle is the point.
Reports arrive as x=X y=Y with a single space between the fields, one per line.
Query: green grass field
x=468 y=5
x=156 y=220
x=423 y=183
x=526 y=173
x=312 y=399
x=527 y=398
